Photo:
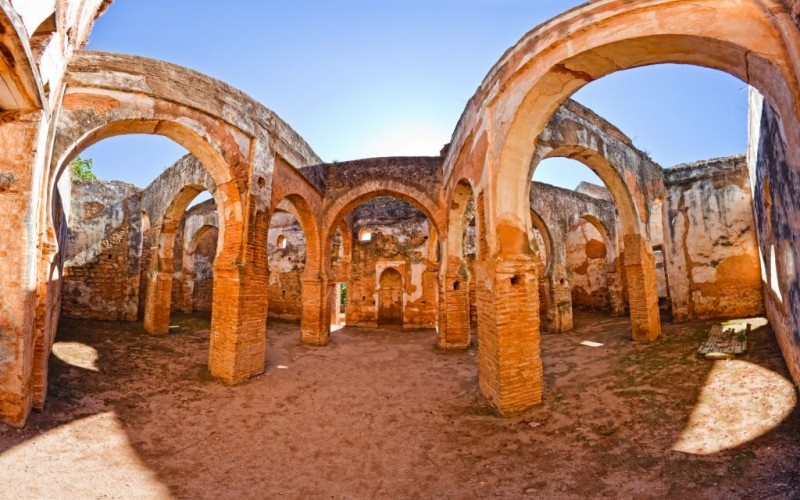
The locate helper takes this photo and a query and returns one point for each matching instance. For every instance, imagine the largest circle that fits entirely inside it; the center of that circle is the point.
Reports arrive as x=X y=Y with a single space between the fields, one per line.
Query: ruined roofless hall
x=462 y=249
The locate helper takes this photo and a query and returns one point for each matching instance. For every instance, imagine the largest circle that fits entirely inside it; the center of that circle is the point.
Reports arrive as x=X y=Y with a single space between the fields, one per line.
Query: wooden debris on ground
x=724 y=343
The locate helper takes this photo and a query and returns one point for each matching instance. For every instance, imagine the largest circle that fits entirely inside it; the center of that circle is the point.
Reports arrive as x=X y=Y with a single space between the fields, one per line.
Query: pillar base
x=315 y=323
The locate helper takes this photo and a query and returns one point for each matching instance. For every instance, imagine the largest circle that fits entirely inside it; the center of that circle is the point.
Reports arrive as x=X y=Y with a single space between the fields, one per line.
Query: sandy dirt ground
x=383 y=414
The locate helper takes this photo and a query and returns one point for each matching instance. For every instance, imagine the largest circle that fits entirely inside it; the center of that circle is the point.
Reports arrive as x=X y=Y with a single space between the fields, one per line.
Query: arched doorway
x=390 y=298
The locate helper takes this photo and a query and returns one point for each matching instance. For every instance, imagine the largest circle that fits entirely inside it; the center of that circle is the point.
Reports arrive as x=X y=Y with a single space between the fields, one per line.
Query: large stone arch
x=165 y=202
x=234 y=137
x=623 y=185
x=290 y=186
x=32 y=208
x=755 y=40
x=557 y=209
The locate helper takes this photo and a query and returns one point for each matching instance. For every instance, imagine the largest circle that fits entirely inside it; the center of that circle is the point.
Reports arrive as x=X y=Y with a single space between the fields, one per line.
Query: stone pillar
x=159 y=298
x=315 y=323
x=509 y=355
x=454 y=314
x=615 y=289
x=21 y=134
x=187 y=291
x=560 y=300
x=640 y=275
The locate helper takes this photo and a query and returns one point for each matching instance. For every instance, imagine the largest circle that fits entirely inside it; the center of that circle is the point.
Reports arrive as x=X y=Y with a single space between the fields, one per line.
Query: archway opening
x=195 y=290
x=400 y=240
x=390 y=298
x=286 y=250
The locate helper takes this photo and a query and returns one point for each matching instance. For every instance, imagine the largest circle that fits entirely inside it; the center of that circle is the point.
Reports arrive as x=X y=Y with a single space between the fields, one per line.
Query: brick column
x=238 y=323
x=640 y=275
x=336 y=304
x=315 y=323
x=509 y=354
x=159 y=298
x=454 y=319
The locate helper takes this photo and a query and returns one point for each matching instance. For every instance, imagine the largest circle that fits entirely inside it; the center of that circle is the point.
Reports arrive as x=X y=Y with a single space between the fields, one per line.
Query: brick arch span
x=194 y=236
x=416 y=180
x=755 y=40
x=201 y=226
x=165 y=201
x=336 y=209
x=631 y=177
x=605 y=232
x=295 y=193
x=345 y=192
x=304 y=200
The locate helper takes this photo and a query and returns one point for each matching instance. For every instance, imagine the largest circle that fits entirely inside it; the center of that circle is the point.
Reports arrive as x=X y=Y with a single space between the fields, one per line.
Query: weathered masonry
x=446 y=242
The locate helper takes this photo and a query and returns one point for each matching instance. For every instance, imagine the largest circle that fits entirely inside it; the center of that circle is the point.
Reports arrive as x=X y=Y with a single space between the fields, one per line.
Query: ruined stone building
x=463 y=243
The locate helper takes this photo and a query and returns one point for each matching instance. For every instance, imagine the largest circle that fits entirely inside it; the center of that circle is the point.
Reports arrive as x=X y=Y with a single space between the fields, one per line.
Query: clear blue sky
x=361 y=78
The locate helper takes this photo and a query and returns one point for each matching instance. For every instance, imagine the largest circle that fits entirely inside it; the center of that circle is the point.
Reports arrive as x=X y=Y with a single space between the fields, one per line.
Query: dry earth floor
x=382 y=414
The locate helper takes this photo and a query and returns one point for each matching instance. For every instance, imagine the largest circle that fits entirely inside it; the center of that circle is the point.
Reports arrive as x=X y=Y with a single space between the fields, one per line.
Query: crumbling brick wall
x=102 y=266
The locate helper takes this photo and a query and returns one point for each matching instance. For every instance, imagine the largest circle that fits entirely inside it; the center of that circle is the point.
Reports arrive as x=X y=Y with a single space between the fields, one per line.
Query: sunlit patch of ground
x=86 y=458
x=76 y=354
x=739 y=402
x=382 y=413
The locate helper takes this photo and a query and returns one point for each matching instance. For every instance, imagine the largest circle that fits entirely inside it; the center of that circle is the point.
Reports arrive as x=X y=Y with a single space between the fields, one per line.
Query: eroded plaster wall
x=710 y=243
x=586 y=260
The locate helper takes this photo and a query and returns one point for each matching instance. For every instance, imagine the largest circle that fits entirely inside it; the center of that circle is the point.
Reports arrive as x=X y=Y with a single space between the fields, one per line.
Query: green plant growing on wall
x=82 y=169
